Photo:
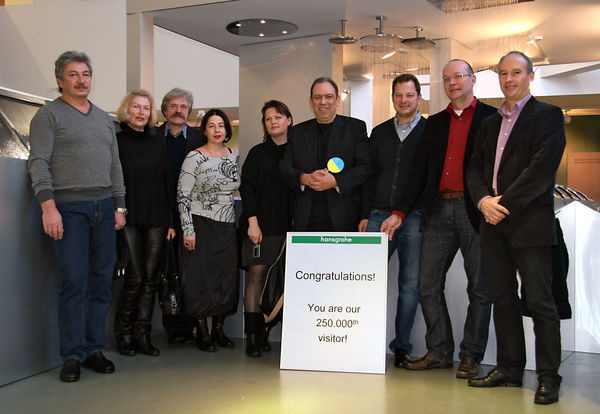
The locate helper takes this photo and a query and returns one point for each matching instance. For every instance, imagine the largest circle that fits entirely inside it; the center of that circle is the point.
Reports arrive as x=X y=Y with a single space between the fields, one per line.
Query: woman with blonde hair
x=149 y=220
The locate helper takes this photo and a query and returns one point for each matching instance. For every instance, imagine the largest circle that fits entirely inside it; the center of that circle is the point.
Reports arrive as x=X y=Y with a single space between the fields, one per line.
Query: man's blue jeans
x=86 y=258
x=448 y=228
x=407 y=242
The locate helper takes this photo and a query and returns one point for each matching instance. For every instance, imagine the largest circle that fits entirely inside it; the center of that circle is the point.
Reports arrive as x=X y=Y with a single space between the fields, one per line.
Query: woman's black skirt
x=210 y=271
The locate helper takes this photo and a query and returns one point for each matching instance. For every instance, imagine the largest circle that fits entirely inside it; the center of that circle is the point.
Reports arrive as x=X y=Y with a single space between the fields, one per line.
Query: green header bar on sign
x=337 y=239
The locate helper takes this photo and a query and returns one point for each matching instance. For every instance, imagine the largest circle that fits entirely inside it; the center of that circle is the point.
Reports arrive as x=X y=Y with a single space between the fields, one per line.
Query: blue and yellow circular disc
x=335 y=165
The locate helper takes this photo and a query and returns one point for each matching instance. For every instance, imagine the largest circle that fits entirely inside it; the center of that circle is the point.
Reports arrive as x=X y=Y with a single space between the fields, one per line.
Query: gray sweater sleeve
x=41 y=140
x=116 y=174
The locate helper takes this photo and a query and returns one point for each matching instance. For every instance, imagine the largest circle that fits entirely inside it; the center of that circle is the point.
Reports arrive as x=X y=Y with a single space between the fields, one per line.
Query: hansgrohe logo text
x=344 y=239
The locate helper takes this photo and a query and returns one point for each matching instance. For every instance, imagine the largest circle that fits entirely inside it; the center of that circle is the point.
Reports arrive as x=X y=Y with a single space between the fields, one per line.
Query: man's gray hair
x=68 y=57
x=177 y=93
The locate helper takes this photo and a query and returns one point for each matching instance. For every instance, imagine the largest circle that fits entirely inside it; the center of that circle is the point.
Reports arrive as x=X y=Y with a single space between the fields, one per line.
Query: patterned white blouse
x=206 y=187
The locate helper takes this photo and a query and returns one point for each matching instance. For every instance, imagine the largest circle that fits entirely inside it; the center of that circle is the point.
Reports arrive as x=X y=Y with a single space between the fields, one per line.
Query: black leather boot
x=252 y=326
x=125 y=345
x=264 y=337
x=203 y=339
x=143 y=345
x=217 y=334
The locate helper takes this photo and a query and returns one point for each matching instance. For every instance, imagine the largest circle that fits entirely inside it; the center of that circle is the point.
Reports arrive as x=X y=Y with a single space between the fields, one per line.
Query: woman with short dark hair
x=267 y=205
x=209 y=177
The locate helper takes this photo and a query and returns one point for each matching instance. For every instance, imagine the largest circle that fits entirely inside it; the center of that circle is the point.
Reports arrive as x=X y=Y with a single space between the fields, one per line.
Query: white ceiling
x=570 y=28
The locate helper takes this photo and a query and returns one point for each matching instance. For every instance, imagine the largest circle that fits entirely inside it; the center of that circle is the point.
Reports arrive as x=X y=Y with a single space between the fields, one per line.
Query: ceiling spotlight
x=261 y=27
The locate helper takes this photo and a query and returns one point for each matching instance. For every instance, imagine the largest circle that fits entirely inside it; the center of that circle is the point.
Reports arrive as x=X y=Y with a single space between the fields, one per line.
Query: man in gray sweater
x=76 y=176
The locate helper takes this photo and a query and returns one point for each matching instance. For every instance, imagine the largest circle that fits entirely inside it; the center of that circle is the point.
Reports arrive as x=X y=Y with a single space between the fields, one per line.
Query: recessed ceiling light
x=261 y=27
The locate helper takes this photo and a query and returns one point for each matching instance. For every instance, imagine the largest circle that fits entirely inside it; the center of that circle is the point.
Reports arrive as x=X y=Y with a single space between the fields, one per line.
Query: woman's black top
x=145 y=172
x=263 y=191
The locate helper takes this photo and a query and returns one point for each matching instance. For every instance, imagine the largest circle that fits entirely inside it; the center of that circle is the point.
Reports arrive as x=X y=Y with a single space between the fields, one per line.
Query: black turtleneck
x=145 y=172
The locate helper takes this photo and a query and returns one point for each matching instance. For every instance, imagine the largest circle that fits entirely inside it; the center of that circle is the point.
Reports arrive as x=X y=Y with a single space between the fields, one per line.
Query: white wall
x=282 y=70
x=32 y=37
x=210 y=74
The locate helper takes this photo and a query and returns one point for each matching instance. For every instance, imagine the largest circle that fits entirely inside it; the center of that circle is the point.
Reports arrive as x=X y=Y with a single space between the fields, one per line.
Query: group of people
x=470 y=177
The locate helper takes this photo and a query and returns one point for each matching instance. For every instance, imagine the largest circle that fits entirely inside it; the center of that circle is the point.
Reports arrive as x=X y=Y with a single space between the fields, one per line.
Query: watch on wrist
x=122 y=210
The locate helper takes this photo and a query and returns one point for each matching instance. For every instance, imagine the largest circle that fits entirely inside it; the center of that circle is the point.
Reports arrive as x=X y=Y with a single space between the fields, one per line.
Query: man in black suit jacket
x=327 y=199
x=393 y=145
x=449 y=221
x=511 y=177
x=180 y=139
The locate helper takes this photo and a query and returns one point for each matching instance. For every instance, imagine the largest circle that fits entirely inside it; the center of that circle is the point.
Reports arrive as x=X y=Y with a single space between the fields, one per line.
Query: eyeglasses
x=456 y=77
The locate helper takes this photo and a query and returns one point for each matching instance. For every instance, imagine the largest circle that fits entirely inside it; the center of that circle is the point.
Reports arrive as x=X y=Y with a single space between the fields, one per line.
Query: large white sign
x=334 y=309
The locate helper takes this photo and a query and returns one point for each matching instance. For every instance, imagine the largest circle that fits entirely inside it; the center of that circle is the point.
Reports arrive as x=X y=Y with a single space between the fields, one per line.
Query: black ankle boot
x=252 y=325
x=125 y=345
x=143 y=345
x=264 y=337
x=217 y=334
x=203 y=339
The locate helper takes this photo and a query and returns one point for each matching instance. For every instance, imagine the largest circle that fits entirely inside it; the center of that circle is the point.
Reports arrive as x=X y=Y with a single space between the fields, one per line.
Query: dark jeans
x=136 y=301
x=446 y=230
x=535 y=270
x=86 y=258
x=407 y=242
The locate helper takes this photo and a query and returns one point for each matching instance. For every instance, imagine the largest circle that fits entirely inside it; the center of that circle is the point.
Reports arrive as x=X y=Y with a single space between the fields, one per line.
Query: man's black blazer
x=428 y=162
x=348 y=140
x=194 y=138
x=526 y=174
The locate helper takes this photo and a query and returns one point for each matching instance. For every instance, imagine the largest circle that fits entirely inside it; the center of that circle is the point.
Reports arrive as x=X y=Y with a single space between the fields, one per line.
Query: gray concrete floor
x=185 y=380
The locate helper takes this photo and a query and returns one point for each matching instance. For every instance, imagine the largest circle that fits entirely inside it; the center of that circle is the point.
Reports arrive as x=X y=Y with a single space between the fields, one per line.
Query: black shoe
x=400 y=357
x=547 y=390
x=98 y=362
x=218 y=334
x=70 y=371
x=143 y=345
x=203 y=338
x=495 y=378
x=125 y=346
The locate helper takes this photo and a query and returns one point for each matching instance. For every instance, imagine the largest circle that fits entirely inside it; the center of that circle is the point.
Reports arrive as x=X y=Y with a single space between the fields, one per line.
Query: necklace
x=218 y=153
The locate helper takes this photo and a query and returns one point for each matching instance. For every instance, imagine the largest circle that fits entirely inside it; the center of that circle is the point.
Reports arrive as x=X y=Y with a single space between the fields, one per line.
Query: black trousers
x=534 y=265
x=136 y=301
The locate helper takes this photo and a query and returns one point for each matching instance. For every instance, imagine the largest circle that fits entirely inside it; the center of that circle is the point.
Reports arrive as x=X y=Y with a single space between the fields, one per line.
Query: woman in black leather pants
x=144 y=162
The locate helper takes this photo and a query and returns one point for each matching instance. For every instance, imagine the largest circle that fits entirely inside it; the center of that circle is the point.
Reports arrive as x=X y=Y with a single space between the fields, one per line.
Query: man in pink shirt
x=511 y=178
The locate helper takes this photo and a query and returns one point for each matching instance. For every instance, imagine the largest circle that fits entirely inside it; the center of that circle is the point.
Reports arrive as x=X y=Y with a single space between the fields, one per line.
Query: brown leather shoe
x=426 y=362
x=468 y=368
